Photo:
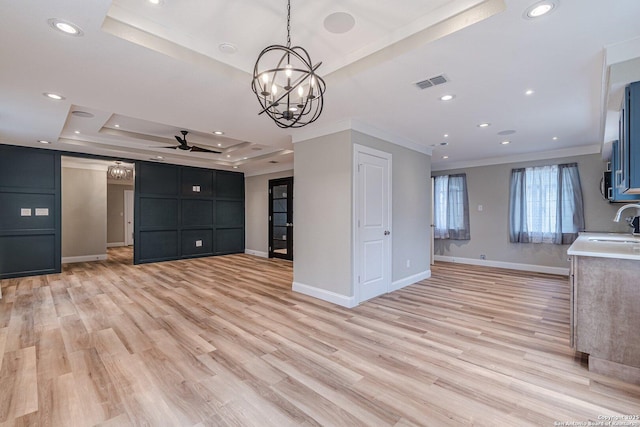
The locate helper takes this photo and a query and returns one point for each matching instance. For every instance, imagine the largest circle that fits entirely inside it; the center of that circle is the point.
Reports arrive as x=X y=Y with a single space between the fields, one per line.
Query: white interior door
x=128 y=217
x=373 y=223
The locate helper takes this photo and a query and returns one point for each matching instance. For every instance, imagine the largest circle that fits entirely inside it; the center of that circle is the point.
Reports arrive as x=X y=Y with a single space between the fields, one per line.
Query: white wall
x=257 y=211
x=84 y=214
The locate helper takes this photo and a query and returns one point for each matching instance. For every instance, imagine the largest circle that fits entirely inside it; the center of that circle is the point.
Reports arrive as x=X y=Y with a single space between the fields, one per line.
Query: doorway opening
x=281 y=218
x=97 y=210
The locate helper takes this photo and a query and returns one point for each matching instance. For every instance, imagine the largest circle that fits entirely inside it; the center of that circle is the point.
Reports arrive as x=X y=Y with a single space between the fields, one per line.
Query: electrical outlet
x=198 y=243
x=483 y=256
x=408 y=263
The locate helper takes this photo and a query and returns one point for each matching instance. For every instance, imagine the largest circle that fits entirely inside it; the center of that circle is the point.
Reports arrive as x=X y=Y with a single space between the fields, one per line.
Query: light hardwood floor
x=224 y=341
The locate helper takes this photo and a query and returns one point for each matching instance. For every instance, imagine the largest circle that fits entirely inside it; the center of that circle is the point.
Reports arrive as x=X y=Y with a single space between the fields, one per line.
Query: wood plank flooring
x=224 y=341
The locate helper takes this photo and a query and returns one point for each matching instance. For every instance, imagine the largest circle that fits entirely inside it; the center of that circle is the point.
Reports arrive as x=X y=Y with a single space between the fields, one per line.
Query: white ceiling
x=155 y=70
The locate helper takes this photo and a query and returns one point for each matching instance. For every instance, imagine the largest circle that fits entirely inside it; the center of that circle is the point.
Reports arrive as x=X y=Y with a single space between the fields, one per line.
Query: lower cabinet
x=605 y=314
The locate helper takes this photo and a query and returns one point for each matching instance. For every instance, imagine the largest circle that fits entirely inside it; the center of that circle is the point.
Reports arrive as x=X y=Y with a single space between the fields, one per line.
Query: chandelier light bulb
x=287 y=70
x=300 y=91
x=274 y=89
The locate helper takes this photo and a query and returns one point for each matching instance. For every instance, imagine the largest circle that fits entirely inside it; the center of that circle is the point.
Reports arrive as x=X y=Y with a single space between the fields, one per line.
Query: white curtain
x=545 y=204
x=451 y=207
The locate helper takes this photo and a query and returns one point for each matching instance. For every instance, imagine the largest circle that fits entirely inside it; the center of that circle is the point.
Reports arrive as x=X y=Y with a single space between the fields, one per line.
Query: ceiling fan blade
x=204 y=150
x=172 y=147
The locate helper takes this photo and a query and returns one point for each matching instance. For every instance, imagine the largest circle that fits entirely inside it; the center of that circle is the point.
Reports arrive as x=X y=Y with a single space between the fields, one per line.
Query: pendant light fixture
x=119 y=172
x=286 y=84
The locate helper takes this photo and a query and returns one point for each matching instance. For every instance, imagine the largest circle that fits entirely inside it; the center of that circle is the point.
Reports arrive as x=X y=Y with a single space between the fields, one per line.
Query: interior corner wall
x=84 y=213
x=489 y=186
x=411 y=207
x=322 y=254
x=257 y=211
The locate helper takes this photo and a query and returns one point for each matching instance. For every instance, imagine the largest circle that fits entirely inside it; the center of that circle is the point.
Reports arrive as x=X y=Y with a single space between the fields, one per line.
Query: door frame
x=128 y=209
x=355 y=262
x=272 y=183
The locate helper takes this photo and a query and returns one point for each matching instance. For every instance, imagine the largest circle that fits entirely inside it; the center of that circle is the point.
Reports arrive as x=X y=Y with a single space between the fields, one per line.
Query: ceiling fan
x=184 y=146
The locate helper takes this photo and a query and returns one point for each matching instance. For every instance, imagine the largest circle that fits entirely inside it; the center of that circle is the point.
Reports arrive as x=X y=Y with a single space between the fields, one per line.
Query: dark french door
x=281 y=218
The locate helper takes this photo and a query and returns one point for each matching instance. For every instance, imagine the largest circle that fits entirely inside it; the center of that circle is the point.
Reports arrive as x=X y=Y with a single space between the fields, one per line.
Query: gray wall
x=323 y=210
x=322 y=206
x=115 y=211
x=411 y=206
x=489 y=186
x=257 y=210
x=84 y=212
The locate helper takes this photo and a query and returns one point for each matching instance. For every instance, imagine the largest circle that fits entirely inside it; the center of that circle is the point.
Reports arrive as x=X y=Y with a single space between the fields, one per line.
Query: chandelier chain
x=288 y=23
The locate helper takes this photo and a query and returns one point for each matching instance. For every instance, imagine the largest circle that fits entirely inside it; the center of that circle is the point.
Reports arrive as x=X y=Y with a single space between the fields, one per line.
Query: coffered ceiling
x=140 y=73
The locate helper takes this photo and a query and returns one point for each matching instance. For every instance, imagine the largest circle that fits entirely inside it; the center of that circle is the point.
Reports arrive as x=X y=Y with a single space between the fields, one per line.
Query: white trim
x=323 y=294
x=410 y=280
x=555 y=154
x=343 y=125
x=84 y=258
x=115 y=244
x=562 y=271
x=256 y=253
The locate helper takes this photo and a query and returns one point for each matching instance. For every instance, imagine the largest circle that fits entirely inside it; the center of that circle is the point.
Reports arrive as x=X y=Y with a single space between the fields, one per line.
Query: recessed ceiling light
x=244 y=158
x=228 y=48
x=228 y=155
x=65 y=27
x=540 y=8
x=447 y=97
x=52 y=95
x=445 y=157
x=555 y=138
x=159 y=157
x=484 y=125
x=339 y=22
x=155 y=2
x=42 y=141
x=446 y=135
x=235 y=167
x=76 y=132
x=219 y=145
x=218 y=132
x=530 y=92
x=505 y=142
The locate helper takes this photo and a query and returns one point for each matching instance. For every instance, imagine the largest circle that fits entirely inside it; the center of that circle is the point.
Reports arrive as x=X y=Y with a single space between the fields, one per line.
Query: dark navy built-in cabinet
x=185 y=212
x=180 y=212
x=30 y=220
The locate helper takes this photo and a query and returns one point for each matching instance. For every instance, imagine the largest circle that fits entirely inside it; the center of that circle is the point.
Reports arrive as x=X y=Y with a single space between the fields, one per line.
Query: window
x=545 y=204
x=451 y=207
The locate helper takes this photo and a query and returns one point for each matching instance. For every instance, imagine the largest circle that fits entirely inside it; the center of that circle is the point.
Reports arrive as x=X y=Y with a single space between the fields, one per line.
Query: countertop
x=606 y=245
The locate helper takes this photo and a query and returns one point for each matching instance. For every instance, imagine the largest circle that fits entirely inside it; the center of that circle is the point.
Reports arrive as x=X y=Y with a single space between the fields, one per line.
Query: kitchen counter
x=607 y=245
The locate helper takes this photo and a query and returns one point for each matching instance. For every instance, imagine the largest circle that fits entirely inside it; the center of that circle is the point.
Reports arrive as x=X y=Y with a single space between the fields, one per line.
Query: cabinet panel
x=633 y=136
x=229 y=240
x=27 y=168
x=197 y=242
x=158 y=212
x=158 y=245
x=229 y=213
x=27 y=255
x=152 y=178
x=229 y=185
x=197 y=182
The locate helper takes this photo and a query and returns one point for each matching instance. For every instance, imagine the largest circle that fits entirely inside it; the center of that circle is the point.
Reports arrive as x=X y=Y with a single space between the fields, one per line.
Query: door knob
x=387 y=232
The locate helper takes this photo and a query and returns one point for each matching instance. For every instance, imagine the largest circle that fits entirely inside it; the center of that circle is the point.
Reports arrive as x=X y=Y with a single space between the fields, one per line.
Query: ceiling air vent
x=433 y=81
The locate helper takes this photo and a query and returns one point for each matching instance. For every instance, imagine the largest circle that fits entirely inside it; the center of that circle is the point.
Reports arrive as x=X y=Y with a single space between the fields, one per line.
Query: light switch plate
x=25 y=212
x=198 y=243
x=42 y=211
x=196 y=188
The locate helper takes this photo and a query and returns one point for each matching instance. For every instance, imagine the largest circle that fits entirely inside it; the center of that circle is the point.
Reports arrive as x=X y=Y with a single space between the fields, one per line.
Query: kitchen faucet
x=633 y=221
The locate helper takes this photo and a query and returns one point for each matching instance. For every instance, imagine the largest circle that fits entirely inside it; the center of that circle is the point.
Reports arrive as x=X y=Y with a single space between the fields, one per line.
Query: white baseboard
x=508 y=265
x=256 y=253
x=323 y=294
x=399 y=284
x=115 y=244
x=84 y=258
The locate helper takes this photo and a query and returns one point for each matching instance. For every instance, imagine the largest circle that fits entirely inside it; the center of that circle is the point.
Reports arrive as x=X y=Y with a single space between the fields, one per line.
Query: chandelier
x=288 y=89
x=118 y=171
